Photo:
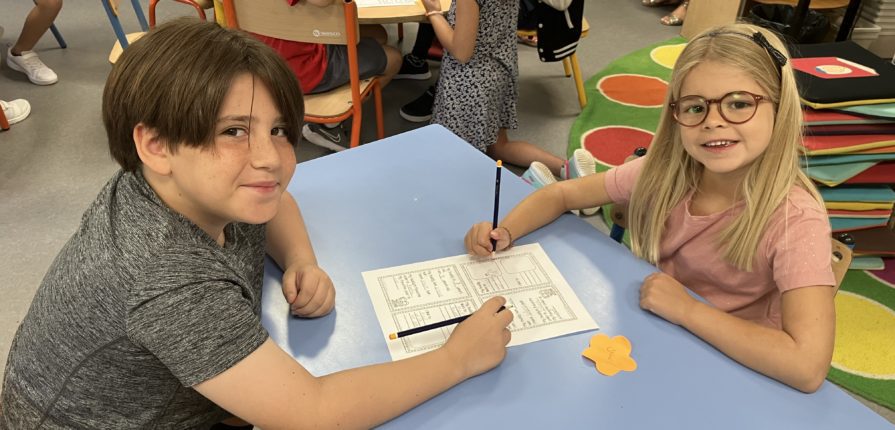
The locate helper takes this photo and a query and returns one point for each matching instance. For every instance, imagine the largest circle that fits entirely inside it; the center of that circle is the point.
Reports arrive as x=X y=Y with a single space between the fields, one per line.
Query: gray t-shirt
x=138 y=306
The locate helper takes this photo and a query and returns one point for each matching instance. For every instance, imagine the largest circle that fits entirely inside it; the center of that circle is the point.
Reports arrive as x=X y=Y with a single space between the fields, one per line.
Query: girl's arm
x=306 y=286
x=271 y=390
x=799 y=355
x=460 y=40
x=537 y=210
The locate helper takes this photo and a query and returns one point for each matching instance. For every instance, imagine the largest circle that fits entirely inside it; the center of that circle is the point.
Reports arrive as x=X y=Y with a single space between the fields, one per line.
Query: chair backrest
x=841 y=257
x=335 y=24
x=559 y=31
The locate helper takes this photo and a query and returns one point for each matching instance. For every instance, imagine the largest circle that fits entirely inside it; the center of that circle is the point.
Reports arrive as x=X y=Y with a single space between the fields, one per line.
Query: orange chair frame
x=357 y=97
x=4 y=124
x=153 y=3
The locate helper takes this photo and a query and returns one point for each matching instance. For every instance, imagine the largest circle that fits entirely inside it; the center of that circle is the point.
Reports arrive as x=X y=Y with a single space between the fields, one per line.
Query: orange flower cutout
x=610 y=355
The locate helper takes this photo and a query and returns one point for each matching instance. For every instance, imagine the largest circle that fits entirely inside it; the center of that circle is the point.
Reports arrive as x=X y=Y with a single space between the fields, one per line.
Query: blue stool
x=112 y=12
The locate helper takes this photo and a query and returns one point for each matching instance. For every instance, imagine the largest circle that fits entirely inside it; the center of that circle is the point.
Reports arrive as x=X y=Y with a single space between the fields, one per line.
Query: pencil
x=433 y=326
x=496 y=202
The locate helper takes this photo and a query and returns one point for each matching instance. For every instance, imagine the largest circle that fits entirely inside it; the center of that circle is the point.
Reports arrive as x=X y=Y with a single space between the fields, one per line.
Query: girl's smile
x=725 y=148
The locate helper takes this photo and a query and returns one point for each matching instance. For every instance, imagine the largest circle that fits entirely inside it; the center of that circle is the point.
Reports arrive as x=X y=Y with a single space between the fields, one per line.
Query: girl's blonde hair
x=670 y=174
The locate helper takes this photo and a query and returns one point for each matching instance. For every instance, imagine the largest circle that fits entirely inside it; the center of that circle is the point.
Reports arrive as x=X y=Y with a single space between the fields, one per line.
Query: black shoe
x=413 y=67
x=420 y=110
x=330 y=138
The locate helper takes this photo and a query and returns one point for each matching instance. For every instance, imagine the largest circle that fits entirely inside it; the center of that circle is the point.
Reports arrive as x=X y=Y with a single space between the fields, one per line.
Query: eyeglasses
x=735 y=107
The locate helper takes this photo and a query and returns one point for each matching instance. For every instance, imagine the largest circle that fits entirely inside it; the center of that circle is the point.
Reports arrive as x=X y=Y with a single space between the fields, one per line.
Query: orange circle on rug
x=612 y=144
x=634 y=90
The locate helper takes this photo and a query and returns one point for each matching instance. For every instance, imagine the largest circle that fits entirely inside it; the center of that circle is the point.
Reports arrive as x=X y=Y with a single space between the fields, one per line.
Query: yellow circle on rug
x=666 y=56
x=864 y=333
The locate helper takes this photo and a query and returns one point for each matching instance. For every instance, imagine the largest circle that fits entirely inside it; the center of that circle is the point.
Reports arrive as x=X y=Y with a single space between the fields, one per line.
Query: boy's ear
x=152 y=150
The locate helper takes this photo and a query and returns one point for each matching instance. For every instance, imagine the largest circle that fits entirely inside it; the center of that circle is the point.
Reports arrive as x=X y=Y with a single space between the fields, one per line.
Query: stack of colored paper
x=849 y=98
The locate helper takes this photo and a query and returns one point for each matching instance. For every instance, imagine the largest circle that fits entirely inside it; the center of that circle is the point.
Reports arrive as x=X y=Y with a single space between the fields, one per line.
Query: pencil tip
x=393 y=336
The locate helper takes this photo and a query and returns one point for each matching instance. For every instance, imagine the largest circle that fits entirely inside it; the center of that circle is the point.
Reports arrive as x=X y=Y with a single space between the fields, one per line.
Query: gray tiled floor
x=53 y=163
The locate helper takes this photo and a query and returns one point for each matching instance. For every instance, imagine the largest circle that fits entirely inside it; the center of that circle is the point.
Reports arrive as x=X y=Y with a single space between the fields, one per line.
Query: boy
x=149 y=316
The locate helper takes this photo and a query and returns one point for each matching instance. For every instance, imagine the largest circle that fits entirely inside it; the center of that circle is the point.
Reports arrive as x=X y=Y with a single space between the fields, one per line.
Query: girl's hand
x=309 y=291
x=478 y=239
x=480 y=343
x=432 y=5
x=666 y=297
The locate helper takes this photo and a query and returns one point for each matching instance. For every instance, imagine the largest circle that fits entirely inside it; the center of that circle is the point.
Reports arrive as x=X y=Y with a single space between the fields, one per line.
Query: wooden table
x=396 y=14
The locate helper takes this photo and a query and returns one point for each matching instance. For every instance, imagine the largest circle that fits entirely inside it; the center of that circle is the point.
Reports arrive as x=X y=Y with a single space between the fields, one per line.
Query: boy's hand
x=309 y=291
x=478 y=239
x=480 y=343
x=666 y=297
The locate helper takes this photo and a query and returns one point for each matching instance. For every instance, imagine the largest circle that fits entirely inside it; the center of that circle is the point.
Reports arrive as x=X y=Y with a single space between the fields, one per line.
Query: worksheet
x=377 y=3
x=428 y=292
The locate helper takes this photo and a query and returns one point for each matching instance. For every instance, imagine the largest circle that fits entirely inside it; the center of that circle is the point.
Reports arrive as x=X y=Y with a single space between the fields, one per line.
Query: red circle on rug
x=634 y=90
x=612 y=144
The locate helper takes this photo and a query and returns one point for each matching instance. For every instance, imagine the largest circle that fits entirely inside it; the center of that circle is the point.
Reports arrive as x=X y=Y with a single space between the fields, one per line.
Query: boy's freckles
x=243 y=176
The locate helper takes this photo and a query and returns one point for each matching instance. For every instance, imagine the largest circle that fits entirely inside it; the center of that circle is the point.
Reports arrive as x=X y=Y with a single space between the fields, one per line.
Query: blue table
x=411 y=198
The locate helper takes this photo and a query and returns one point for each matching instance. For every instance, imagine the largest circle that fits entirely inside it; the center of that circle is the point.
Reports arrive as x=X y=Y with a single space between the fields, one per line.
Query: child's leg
x=425 y=35
x=36 y=24
x=374 y=31
x=522 y=153
x=393 y=64
x=392 y=54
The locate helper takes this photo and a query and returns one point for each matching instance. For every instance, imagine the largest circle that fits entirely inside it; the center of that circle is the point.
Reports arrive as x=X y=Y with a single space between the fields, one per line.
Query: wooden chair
x=111 y=7
x=199 y=5
x=334 y=24
x=841 y=256
x=570 y=63
x=801 y=8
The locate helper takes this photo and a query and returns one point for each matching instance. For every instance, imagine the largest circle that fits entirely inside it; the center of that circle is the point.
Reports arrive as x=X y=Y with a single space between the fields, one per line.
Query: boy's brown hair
x=175 y=78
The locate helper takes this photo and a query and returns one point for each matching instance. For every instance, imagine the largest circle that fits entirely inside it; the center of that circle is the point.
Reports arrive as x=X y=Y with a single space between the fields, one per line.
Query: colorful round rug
x=624 y=103
x=864 y=356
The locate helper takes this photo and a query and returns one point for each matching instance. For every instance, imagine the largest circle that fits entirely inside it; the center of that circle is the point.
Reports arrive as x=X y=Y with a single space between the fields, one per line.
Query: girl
x=477 y=89
x=150 y=315
x=720 y=205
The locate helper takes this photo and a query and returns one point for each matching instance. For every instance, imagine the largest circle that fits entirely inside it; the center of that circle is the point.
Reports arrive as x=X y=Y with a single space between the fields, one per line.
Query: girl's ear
x=152 y=150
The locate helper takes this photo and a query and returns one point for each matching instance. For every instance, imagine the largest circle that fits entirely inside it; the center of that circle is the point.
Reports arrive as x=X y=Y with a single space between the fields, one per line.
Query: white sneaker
x=581 y=164
x=15 y=110
x=29 y=63
x=329 y=137
x=538 y=175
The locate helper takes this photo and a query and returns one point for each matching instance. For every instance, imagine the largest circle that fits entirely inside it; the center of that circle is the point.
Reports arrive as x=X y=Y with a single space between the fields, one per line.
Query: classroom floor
x=55 y=161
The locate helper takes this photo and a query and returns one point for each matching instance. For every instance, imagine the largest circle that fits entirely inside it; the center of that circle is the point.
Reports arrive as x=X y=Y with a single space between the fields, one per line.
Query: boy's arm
x=287 y=238
x=460 y=40
x=538 y=209
x=307 y=288
x=271 y=390
x=799 y=355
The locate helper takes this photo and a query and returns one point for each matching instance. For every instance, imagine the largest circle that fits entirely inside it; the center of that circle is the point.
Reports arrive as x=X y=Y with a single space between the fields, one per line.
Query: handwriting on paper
x=410 y=296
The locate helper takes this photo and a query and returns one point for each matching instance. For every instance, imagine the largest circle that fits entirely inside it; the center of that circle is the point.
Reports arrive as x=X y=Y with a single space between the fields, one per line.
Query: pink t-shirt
x=794 y=251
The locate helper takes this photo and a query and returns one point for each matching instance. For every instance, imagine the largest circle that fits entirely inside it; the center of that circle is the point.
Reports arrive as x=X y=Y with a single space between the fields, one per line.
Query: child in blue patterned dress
x=478 y=88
